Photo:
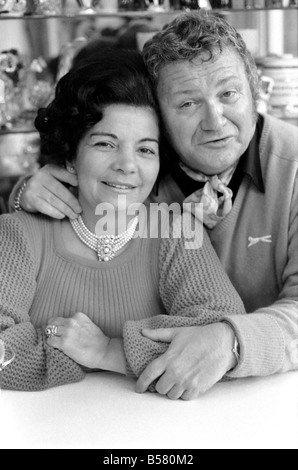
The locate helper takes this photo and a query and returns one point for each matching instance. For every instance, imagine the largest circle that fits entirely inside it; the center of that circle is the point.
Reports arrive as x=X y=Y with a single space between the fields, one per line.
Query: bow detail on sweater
x=215 y=207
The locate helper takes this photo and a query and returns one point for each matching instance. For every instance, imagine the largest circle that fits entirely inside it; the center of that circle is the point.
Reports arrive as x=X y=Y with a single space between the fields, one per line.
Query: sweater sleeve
x=195 y=291
x=36 y=365
x=268 y=337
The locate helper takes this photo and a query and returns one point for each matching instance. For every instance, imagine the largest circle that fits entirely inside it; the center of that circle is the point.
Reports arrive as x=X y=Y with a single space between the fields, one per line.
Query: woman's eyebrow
x=149 y=139
x=103 y=134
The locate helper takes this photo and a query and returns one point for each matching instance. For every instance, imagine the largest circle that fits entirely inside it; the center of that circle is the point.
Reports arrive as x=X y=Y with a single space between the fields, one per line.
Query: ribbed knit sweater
x=265 y=273
x=154 y=283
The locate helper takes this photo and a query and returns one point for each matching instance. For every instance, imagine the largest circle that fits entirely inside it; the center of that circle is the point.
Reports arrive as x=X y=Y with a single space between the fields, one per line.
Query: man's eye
x=186 y=105
x=230 y=94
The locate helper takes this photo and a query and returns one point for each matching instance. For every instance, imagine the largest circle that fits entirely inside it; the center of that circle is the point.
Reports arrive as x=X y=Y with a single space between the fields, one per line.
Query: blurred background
x=39 y=39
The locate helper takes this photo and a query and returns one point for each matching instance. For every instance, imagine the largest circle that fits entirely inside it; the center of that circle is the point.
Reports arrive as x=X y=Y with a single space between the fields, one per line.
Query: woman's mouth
x=120 y=187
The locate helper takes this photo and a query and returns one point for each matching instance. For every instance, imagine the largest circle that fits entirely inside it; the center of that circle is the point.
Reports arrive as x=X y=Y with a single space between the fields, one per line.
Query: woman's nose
x=126 y=162
x=213 y=118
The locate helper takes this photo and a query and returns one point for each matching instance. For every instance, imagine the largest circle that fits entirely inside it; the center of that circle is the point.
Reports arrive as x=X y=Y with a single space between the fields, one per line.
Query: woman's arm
x=37 y=366
x=195 y=291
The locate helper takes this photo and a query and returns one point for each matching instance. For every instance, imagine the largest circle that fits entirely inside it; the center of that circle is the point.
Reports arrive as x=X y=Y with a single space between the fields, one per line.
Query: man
x=243 y=168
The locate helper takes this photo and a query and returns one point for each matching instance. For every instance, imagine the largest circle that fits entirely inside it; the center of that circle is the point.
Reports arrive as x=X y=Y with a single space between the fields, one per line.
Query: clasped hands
x=197 y=357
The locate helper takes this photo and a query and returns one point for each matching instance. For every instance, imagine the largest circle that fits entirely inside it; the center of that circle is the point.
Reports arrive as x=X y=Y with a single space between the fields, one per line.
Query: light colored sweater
x=153 y=283
x=265 y=273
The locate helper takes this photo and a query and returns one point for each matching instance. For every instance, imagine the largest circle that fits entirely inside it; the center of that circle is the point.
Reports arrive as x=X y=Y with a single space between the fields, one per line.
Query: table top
x=104 y=412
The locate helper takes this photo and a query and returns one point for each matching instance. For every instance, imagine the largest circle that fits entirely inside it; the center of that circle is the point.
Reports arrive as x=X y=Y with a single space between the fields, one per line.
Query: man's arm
x=269 y=336
x=197 y=295
x=45 y=192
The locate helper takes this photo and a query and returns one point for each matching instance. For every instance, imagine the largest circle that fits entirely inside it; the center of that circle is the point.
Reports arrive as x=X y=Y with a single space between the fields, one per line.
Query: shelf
x=134 y=14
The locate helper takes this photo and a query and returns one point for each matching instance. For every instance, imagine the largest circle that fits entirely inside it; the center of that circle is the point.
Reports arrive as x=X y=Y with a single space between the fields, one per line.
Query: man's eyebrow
x=229 y=79
x=223 y=81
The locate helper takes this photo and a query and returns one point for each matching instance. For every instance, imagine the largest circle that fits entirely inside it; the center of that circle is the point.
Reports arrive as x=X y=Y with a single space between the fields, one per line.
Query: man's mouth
x=222 y=140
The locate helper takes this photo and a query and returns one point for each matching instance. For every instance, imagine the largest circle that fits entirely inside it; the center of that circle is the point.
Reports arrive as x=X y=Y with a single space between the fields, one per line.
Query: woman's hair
x=105 y=77
x=193 y=35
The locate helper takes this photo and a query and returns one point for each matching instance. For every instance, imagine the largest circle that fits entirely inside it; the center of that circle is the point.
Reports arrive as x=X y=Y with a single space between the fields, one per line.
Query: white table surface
x=104 y=412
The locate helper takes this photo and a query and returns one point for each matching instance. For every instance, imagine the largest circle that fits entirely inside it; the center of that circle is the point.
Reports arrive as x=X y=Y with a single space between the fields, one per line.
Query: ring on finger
x=51 y=331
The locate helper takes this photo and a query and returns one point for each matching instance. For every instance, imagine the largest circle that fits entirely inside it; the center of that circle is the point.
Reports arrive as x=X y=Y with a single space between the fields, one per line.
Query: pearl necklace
x=106 y=246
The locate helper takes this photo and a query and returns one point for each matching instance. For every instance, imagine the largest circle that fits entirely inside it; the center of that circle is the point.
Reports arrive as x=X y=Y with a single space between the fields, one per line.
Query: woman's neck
x=111 y=222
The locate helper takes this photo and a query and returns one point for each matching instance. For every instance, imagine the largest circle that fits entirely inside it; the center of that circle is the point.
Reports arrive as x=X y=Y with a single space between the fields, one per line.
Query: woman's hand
x=81 y=340
x=84 y=342
x=46 y=193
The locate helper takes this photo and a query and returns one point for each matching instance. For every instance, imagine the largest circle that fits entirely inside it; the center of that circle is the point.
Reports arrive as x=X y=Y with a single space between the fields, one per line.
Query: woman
x=72 y=301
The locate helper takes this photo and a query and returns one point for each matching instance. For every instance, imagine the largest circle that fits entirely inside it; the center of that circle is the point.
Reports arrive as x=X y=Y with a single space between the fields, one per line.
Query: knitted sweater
x=41 y=279
x=257 y=244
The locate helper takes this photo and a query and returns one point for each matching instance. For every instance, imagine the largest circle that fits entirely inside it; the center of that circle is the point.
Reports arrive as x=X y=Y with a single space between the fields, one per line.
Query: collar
x=250 y=162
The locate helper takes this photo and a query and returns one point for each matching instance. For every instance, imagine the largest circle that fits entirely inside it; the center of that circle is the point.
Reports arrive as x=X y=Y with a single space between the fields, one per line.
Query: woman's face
x=119 y=156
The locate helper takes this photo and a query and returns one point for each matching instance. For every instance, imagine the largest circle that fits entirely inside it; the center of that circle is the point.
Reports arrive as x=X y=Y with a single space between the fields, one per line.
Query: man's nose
x=126 y=161
x=213 y=118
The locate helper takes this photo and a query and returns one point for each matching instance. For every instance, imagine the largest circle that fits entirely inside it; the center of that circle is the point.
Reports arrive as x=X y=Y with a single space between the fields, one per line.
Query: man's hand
x=197 y=358
x=45 y=193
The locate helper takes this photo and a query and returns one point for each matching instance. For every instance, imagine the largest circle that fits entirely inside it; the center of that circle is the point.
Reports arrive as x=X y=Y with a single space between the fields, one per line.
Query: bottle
x=254 y=4
x=189 y=4
x=2 y=104
x=221 y=4
x=293 y=4
x=273 y=4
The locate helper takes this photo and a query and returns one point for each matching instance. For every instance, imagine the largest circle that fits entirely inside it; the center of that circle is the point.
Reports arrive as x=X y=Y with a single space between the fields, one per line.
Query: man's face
x=208 y=111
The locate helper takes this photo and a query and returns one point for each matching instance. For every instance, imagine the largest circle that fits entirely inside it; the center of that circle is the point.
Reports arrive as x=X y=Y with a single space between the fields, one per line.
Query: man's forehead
x=182 y=73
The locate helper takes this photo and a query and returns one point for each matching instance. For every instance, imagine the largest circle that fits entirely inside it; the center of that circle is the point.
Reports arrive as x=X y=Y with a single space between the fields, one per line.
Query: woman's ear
x=71 y=168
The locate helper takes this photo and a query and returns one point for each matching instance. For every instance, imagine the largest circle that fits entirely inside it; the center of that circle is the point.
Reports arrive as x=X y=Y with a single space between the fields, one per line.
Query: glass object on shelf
x=221 y=3
x=19 y=154
x=273 y=4
x=284 y=71
x=189 y=4
x=131 y=5
x=88 y=7
x=6 y=356
x=13 y=7
x=2 y=104
x=155 y=5
x=254 y=4
x=47 y=7
x=12 y=74
x=266 y=88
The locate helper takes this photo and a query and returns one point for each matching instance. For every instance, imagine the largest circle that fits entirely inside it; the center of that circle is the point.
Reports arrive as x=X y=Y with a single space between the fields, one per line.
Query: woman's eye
x=147 y=151
x=104 y=145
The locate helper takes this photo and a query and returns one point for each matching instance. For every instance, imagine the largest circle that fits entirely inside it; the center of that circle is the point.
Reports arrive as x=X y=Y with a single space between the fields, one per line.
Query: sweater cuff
x=262 y=345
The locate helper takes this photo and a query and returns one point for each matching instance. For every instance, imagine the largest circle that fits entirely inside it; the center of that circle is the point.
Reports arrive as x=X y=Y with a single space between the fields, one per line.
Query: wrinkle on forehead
x=184 y=72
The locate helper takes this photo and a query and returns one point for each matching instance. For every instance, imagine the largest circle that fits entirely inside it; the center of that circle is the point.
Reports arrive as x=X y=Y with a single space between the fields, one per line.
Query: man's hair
x=193 y=35
x=105 y=77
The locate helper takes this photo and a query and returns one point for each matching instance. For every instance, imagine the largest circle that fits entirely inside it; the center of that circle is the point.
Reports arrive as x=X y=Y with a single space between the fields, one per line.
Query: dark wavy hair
x=106 y=77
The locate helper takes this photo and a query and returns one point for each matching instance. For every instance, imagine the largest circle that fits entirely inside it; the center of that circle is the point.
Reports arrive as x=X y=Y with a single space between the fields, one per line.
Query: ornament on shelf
x=47 y=7
x=87 y=7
